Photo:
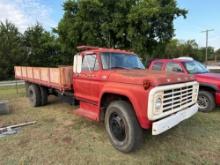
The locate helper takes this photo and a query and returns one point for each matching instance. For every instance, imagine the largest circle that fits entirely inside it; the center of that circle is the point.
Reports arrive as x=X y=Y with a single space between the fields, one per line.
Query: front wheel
x=122 y=126
x=206 y=101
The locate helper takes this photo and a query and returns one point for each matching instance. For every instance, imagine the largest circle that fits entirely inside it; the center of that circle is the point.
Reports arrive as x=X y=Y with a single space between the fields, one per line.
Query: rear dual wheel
x=37 y=95
x=44 y=95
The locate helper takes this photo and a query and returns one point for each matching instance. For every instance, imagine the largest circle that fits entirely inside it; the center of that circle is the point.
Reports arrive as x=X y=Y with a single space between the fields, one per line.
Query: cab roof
x=172 y=60
x=89 y=49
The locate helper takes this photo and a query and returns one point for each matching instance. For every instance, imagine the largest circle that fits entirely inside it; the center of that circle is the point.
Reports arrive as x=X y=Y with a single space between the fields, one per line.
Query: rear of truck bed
x=58 y=78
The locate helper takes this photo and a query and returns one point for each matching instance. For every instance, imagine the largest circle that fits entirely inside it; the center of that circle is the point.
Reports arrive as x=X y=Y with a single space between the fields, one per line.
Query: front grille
x=177 y=97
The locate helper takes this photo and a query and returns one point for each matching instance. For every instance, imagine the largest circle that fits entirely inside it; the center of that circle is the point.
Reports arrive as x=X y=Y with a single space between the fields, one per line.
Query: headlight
x=195 y=92
x=158 y=103
x=196 y=89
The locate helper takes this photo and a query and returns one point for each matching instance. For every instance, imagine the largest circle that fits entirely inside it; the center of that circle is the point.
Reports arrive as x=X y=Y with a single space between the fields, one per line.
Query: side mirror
x=77 y=63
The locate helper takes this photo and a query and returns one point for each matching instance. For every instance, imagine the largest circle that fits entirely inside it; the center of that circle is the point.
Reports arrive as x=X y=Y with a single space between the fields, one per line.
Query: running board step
x=87 y=113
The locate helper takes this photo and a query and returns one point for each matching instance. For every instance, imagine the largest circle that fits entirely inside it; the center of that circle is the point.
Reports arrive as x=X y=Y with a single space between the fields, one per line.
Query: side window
x=157 y=66
x=105 y=61
x=90 y=63
x=173 y=67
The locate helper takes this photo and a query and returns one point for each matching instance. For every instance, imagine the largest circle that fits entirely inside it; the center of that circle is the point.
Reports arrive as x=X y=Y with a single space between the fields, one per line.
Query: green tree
x=140 y=25
x=42 y=47
x=217 y=54
x=12 y=51
x=151 y=23
x=172 y=49
x=177 y=48
x=202 y=53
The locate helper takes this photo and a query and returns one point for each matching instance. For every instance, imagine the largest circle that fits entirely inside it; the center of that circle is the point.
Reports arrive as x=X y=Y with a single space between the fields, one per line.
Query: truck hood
x=209 y=78
x=154 y=77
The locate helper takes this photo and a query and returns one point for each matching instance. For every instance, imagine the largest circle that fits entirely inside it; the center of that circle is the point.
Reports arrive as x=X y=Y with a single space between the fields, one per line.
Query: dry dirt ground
x=60 y=137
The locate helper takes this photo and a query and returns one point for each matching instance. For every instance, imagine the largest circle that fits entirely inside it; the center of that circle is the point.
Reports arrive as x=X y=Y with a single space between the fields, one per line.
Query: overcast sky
x=203 y=14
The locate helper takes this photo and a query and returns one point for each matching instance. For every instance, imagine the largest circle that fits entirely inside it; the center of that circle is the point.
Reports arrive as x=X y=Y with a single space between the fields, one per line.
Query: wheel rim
x=117 y=127
x=203 y=102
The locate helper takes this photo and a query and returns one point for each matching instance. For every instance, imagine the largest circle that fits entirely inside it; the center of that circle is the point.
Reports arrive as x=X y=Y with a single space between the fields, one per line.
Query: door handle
x=77 y=74
x=91 y=75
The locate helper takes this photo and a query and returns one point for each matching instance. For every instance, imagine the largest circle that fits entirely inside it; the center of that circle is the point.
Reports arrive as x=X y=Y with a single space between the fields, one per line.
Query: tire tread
x=210 y=96
x=36 y=90
x=137 y=130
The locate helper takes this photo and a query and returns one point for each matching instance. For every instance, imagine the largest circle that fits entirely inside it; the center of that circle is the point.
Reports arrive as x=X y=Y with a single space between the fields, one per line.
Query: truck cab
x=110 y=82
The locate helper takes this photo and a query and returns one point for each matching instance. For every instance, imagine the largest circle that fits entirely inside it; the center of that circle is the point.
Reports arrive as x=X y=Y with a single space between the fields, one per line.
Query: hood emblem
x=104 y=77
x=168 y=80
x=178 y=79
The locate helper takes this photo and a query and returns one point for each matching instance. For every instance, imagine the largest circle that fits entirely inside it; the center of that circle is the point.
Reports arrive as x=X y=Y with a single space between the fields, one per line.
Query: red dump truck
x=112 y=85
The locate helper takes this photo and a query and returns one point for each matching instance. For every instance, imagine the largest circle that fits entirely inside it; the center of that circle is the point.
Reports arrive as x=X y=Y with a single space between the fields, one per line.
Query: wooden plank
x=58 y=78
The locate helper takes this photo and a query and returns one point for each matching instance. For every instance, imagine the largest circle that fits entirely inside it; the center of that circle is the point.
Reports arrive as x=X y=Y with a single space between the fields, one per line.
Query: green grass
x=60 y=137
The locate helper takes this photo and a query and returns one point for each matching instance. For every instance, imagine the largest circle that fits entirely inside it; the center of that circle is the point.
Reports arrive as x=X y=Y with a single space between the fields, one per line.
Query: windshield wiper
x=201 y=72
x=137 y=68
x=119 y=67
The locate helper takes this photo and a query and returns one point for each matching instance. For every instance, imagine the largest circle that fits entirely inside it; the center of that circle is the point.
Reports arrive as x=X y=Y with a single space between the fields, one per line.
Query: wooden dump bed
x=58 y=78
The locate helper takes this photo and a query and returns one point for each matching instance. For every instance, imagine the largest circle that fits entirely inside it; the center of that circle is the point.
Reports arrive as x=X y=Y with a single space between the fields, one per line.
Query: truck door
x=87 y=83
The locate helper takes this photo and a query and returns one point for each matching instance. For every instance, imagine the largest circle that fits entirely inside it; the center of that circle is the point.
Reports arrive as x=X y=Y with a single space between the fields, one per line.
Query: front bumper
x=165 y=124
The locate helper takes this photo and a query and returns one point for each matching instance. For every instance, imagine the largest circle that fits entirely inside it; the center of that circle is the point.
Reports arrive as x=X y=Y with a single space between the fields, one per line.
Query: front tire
x=206 y=101
x=122 y=127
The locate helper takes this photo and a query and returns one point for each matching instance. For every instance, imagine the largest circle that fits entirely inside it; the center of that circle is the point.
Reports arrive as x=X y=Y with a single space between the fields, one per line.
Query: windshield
x=195 y=67
x=121 y=61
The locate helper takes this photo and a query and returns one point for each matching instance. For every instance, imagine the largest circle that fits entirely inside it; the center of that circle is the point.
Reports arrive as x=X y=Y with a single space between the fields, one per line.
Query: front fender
x=207 y=85
x=137 y=96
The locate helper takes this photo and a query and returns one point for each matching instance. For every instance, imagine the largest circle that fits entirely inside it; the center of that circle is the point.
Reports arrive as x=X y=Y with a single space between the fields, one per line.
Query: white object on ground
x=4 y=108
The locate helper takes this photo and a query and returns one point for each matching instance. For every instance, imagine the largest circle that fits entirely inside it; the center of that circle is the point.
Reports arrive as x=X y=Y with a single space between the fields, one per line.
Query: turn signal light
x=146 y=84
